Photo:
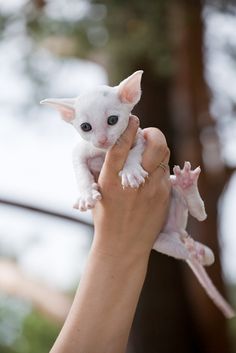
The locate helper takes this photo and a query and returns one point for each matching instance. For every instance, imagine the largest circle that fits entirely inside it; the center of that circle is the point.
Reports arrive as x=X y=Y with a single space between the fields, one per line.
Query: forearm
x=104 y=305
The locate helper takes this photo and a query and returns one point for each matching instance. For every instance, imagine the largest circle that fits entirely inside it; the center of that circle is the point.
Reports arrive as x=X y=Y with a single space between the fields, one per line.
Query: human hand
x=129 y=220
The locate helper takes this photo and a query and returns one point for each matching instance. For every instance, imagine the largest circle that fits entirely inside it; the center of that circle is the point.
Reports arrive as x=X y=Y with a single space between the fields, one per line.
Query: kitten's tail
x=210 y=288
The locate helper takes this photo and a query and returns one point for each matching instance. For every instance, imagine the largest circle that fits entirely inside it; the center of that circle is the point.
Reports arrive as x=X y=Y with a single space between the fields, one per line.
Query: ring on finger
x=164 y=166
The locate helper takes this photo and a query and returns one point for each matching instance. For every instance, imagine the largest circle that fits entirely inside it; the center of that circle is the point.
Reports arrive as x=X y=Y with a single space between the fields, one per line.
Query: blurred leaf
x=37 y=334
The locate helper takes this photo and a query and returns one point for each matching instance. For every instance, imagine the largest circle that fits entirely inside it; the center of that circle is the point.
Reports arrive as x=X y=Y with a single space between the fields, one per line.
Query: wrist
x=121 y=248
x=116 y=257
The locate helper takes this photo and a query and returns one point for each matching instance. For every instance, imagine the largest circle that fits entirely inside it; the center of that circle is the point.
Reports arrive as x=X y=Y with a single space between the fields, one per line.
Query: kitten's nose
x=102 y=141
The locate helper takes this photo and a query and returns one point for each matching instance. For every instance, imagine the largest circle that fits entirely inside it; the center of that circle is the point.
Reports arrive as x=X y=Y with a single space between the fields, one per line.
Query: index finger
x=156 y=149
x=117 y=155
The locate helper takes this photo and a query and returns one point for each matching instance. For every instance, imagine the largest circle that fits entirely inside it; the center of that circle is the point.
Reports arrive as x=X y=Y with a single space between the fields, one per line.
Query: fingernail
x=135 y=119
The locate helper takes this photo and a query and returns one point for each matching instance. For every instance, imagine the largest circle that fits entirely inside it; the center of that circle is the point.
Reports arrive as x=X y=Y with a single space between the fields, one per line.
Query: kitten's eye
x=112 y=120
x=86 y=127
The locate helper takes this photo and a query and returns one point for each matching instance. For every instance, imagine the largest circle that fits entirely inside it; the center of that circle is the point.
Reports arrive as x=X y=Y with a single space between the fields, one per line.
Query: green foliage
x=125 y=33
x=23 y=330
x=38 y=334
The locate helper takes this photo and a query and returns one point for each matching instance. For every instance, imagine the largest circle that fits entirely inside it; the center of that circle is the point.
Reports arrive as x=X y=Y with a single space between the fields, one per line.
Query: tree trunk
x=174 y=314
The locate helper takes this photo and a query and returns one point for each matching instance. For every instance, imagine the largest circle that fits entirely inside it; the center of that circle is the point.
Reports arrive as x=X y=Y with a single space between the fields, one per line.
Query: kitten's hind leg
x=186 y=181
x=199 y=252
x=170 y=244
x=183 y=247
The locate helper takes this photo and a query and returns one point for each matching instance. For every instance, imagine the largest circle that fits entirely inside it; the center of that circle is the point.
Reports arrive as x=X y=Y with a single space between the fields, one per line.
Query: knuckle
x=124 y=141
x=117 y=150
x=116 y=153
x=160 y=190
x=162 y=148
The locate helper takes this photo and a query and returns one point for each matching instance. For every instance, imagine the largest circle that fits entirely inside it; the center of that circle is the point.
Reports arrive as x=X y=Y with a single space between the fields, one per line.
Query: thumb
x=117 y=155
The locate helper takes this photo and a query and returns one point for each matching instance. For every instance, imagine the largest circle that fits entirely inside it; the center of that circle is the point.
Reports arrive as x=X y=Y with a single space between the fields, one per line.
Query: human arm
x=126 y=224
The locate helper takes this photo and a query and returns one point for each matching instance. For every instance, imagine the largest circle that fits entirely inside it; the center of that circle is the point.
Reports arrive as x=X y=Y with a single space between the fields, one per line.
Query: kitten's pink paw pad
x=199 y=252
x=186 y=177
x=133 y=176
x=88 y=198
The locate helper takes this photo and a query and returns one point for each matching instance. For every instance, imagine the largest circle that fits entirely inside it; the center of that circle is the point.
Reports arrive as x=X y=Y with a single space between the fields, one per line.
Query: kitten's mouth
x=103 y=146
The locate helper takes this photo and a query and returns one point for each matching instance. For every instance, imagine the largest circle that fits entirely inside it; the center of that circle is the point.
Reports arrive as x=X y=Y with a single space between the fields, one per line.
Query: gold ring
x=163 y=166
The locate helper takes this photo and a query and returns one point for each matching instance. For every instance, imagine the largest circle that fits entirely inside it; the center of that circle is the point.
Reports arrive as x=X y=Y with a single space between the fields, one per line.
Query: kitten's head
x=101 y=116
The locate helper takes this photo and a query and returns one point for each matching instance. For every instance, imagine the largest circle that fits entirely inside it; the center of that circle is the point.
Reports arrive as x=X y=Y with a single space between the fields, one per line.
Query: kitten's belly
x=95 y=163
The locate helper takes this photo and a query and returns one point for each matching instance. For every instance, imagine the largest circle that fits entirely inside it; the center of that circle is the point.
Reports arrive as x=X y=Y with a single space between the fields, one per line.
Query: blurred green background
x=187 y=50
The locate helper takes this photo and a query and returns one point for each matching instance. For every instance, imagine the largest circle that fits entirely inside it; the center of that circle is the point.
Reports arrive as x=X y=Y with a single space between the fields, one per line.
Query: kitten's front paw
x=88 y=198
x=185 y=178
x=133 y=176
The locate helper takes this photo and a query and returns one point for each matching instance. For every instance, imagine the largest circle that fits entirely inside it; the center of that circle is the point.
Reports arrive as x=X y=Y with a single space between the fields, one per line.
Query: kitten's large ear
x=66 y=106
x=129 y=90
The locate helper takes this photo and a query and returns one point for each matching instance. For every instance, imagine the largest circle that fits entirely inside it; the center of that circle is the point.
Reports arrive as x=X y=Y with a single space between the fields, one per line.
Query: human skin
x=126 y=222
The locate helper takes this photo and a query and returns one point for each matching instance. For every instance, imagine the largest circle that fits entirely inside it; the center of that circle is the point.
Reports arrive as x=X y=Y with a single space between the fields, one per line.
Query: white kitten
x=100 y=117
